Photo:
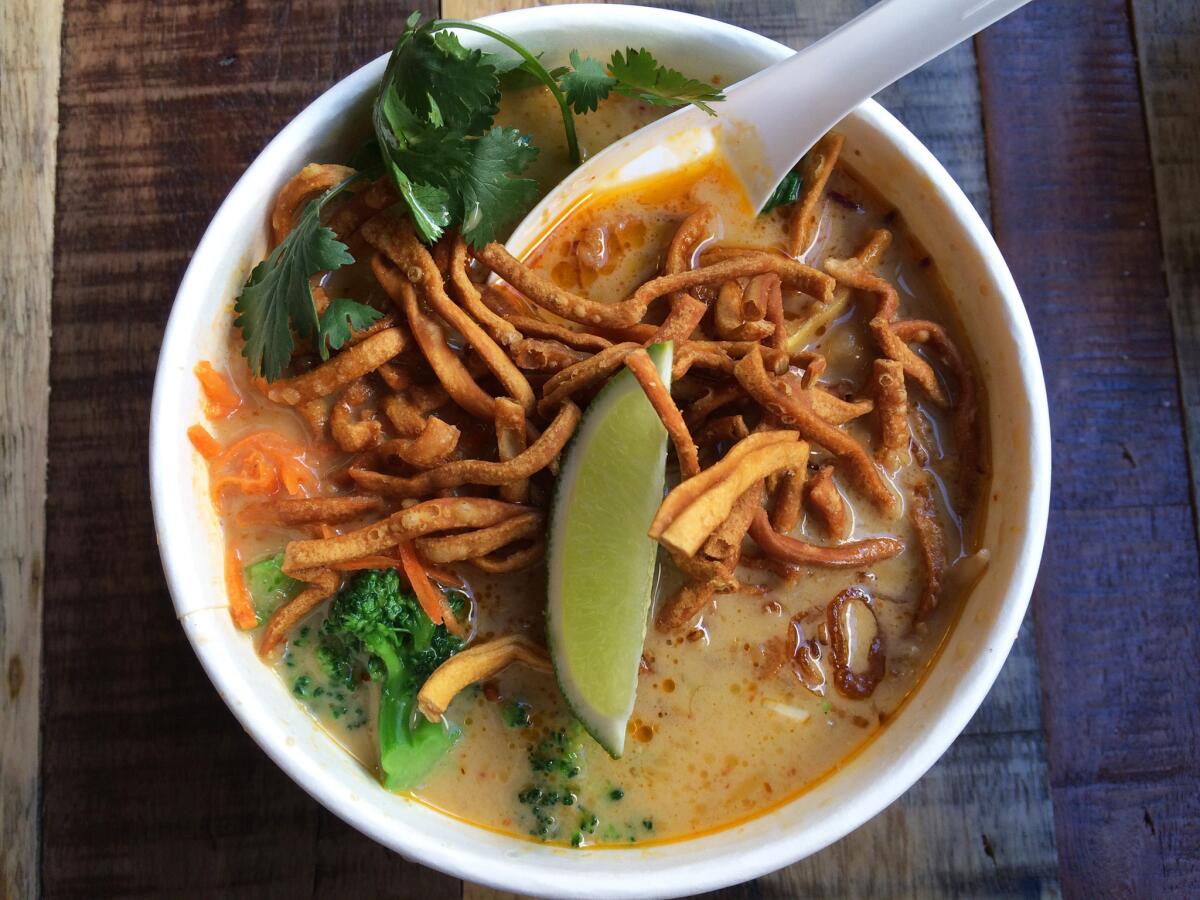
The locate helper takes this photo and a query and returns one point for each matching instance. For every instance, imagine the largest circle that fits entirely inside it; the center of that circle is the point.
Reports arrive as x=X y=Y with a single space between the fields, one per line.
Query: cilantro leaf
x=586 y=84
x=787 y=191
x=639 y=75
x=342 y=317
x=490 y=197
x=441 y=81
x=430 y=155
x=428 y=205
x=448 y=43
x=435 y=94
x=278 y=297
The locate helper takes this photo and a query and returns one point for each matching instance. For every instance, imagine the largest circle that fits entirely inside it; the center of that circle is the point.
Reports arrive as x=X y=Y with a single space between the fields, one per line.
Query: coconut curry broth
x=729 y=720
x=723 y=728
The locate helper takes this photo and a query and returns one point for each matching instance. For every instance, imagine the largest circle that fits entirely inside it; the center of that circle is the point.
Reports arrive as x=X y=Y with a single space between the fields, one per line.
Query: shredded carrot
x=241 y=607
x=367 y=562
x=296 y=477
x=444 y=577
x=260 y=463
x=206 y=445
x=255 y=475
x=428 y=596
x=267 y=441
x=379 y=561
x=221 y=399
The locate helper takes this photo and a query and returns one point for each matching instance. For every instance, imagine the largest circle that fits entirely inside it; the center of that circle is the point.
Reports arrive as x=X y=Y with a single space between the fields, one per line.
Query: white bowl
x=942 y=219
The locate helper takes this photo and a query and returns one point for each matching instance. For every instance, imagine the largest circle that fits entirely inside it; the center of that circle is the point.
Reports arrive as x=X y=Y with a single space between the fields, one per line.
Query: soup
x=408 y=476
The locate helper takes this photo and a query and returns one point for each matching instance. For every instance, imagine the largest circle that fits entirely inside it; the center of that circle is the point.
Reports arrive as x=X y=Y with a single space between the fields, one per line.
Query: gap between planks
x=30 y=31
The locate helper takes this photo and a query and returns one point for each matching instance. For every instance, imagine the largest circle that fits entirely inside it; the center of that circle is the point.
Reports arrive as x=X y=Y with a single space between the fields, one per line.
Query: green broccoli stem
x=536 y=68
x=407 y=752
x=269 y=587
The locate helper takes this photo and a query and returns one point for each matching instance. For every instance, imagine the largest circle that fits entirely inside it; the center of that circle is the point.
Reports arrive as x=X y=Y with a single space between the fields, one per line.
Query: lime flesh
x=600 y=561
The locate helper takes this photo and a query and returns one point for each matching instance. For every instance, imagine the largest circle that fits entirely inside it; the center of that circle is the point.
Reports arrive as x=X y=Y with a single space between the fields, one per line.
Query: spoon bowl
x=769 y=120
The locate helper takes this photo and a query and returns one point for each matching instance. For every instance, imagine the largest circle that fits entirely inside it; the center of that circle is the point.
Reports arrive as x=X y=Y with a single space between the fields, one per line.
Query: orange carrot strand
x=262 y=462
x=367 y=562
x=221 y=399
x=428 y=596
x=444 y=577
x=255 y=475
x=241 y=607
x=206 y=445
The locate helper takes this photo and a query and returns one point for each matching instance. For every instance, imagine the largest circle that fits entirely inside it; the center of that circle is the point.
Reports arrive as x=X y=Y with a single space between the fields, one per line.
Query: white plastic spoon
x=771 y=119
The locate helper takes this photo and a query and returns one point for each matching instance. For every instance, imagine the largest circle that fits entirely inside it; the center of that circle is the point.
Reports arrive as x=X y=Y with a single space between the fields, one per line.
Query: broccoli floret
x=557 y=754
x=302 y=687
x=376 y=627
x=587 y=820
x=556 y=763
x=337 y=661
x=268 y=586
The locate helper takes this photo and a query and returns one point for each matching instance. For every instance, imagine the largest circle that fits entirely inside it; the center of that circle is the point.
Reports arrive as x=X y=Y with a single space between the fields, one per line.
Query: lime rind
x=600 y=561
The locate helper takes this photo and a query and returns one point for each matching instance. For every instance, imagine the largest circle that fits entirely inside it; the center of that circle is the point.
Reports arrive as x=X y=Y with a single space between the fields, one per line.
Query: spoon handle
x=793 y=103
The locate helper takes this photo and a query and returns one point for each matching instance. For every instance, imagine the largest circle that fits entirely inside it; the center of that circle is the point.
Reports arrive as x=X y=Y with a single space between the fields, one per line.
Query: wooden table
x=1074 y=128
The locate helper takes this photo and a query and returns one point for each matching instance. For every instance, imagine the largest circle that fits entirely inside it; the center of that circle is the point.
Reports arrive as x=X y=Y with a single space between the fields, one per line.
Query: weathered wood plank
x=1073 y=210
x=151 y=787
x=980 y=822
x=29 y=61
x=1168 y=34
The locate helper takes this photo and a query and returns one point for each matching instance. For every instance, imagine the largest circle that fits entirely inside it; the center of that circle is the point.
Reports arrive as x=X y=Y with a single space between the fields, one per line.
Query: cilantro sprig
x=277 y=299
x=436 y=140
x=433 y=122
x=634 y=73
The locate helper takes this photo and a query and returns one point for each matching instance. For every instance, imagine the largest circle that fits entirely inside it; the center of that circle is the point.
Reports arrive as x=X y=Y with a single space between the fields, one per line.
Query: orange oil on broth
x=715 y=736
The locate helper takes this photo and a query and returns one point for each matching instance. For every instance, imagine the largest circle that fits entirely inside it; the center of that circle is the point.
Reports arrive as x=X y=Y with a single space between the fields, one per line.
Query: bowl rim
x=621 y=880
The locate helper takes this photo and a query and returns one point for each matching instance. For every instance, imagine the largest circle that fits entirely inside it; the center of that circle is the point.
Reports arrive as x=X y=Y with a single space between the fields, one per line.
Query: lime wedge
x=600 y=561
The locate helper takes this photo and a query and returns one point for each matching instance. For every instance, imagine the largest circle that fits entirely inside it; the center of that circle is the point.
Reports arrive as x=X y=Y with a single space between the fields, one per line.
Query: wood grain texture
x=980 y=822
x=150 y=786
x=1168 y=53
x=151 y=789
x=29 y=60
x=1073 y=207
